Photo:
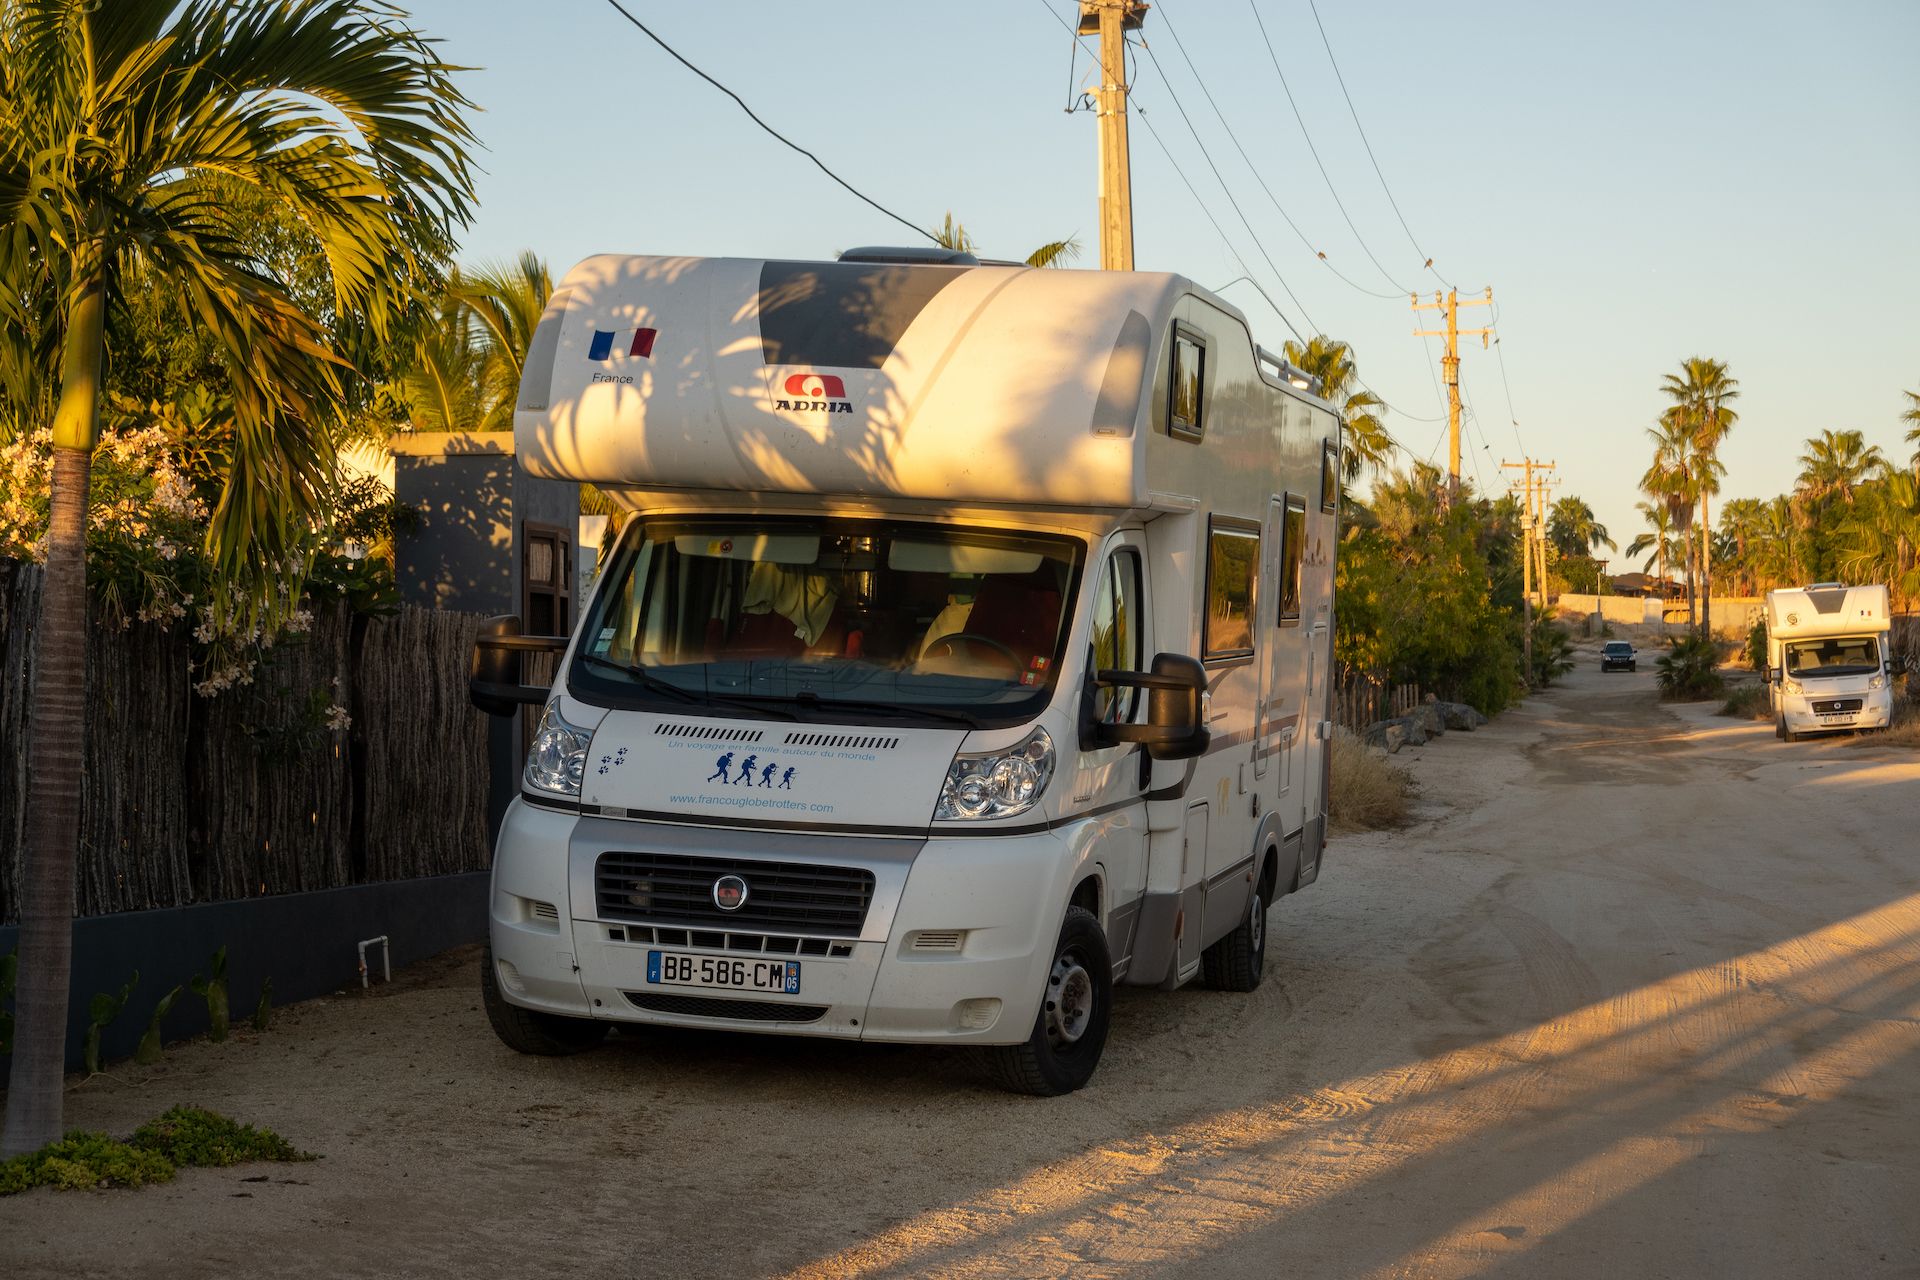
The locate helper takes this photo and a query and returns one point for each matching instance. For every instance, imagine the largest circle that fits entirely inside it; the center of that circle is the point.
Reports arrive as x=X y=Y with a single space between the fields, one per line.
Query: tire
x=545 y=1035
x=1237 y=961
x=1064 y=1048
x=1780 y=727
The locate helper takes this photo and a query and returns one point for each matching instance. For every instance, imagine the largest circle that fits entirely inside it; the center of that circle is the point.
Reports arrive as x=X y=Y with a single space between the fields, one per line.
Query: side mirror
x=1773 y=675
x=1175 y=727
x=494 y=674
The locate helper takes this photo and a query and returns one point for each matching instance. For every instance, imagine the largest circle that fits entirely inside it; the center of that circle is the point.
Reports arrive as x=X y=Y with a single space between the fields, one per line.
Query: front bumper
x=1876 y=712
x=1003 y=896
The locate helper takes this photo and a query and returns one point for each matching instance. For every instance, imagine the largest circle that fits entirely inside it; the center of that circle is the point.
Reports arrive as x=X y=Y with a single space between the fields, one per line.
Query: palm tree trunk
x=1706 y=567
x=57 y=723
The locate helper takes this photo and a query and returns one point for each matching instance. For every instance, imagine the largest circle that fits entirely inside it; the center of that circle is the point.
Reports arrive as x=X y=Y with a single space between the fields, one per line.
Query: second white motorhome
x=967 y=652
x=1827 y=658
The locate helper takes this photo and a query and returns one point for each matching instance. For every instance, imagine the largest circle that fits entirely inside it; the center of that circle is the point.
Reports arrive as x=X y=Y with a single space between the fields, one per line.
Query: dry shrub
x=1365 y=790
x=1903 y=732
x=1748 y=702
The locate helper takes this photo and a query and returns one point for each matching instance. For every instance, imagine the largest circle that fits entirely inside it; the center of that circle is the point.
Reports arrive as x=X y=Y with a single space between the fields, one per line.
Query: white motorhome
x=966 y=653
x=1827 y=659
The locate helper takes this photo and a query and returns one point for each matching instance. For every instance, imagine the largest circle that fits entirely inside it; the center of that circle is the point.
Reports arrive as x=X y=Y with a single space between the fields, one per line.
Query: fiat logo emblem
x=729 y=893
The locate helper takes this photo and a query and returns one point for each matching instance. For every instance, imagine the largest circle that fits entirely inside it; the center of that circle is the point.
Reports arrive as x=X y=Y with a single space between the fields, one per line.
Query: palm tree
x=1054 y=253
x=1658 y=542
x=1671 y=480
x=1913 y=433
x=1364 y=442
x=116 y=121
x=1834 y=465
x=1881 y=533
x=1742 y=527
x=1573 y=530
x=506 y=301
x=1701 y=393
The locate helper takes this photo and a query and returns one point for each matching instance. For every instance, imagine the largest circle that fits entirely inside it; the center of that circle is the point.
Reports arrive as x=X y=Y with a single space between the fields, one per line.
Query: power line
x=818 y=163
x=1506 y=386
x=1224 y=238
x=1369 y=146
x=1315 y=151
x=1321 y=257
x=1228 y=191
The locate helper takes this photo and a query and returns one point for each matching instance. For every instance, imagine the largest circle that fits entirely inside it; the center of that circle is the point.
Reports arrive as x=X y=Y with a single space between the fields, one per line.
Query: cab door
x=1112 y=781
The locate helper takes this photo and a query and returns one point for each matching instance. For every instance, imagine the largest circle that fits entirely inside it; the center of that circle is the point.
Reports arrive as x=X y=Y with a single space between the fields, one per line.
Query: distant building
x=1645 y=585
x=490 y=538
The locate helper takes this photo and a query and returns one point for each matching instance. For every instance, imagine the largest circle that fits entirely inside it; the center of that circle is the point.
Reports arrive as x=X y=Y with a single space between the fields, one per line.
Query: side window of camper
x=1186 y=383
x=1292 y=547
x=1233 y=557
x=1116 y=633
x=1329 y=476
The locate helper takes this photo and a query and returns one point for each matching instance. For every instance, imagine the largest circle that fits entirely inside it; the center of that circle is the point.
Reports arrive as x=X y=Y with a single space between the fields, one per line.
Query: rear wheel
x=1070 y=1030
x=1237 y=961
x=546 y=1035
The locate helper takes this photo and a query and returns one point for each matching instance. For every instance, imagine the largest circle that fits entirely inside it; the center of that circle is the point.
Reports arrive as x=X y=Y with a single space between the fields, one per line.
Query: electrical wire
x=1167 y=20
x=1369 y=146
x=1228 y=191
x=1314 y=151
x=775 y=133
x=1247 y=271
x=1506 y=386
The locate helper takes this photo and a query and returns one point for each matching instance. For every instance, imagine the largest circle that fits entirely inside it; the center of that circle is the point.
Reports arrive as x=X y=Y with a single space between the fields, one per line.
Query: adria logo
x=816 y=385
x=632 y=342
x=816 y=392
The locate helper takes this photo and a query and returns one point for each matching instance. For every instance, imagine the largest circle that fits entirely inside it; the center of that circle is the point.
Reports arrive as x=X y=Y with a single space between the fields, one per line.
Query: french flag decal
x=641 y=343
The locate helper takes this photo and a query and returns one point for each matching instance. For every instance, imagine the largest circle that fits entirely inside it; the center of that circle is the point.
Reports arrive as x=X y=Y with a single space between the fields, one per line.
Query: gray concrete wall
x=461 y=555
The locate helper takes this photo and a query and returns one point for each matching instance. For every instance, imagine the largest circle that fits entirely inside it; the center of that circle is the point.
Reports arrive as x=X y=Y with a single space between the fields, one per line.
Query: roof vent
x=911 y=256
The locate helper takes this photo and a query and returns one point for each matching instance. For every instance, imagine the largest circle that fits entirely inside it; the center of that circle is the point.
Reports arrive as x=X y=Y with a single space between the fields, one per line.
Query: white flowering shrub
x=144 y=525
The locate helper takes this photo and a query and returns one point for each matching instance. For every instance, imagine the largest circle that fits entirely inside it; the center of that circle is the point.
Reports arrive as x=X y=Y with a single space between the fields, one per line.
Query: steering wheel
x=954 y=640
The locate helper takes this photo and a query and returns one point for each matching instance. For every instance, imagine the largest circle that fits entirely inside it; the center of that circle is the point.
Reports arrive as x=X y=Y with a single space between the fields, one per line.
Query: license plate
x=673 y=969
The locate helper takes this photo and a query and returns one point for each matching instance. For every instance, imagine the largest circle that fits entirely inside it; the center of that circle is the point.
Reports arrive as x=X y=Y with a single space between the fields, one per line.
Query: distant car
x=1617 y=656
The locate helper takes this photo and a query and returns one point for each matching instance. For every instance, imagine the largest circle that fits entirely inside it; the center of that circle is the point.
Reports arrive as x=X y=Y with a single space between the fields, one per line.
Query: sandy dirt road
x=1638 y=996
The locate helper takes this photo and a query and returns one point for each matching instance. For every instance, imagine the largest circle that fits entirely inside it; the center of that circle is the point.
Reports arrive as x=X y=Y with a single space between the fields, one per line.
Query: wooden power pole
x=1112 y=19
x=1534 y=543
x=1450 y=365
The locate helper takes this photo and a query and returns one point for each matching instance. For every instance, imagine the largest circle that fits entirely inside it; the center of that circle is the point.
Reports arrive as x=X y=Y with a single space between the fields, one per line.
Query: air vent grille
x=707 y=732
x=543 y=910
x=848 y=741
x=939 y=939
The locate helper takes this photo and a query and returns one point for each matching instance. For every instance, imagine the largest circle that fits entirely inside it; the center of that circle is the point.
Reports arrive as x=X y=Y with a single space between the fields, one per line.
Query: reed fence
x=352 y=758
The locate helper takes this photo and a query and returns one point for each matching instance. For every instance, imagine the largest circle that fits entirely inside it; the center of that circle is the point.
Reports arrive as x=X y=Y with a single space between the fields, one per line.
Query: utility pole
x=1534 y=543
x=1450 y=365
x=1112 y=19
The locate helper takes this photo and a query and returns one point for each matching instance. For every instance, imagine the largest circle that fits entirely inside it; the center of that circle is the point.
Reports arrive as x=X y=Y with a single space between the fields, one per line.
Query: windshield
x=1618 y=646
x=801 y=613
x=1843 y=656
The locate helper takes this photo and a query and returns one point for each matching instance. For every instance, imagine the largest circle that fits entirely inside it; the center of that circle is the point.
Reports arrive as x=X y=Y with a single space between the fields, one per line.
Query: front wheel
x=1070 y=1030
x=546 y=1035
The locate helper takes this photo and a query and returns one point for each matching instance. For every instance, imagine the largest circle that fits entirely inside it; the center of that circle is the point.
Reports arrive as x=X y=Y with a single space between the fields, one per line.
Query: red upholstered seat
x=1021 y=613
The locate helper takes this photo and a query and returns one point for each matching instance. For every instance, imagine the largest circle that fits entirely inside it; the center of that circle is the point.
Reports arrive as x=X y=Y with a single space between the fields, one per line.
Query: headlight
x=1791 y=686
x=999 y=785
x=1878 y=682
x=558 y=755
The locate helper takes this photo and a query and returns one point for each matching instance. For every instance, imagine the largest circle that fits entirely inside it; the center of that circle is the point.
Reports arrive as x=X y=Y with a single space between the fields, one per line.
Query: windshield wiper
x=704 y=698
x=814 y=702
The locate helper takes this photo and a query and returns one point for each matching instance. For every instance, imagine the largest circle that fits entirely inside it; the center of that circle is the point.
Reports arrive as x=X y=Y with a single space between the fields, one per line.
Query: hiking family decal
x=723 y=771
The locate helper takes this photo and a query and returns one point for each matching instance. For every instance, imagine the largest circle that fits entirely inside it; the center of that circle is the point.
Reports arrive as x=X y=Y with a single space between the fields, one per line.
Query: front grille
x=761 y=943
x=1837 y=706
x=745 y=1010
x=783 y=897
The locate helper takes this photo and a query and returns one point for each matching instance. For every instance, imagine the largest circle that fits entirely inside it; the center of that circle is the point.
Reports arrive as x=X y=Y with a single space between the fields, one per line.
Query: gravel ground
x=1636 y=995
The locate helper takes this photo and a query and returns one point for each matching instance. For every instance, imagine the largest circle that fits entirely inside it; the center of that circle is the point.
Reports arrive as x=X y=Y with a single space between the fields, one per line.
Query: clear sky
x=1639 y=182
